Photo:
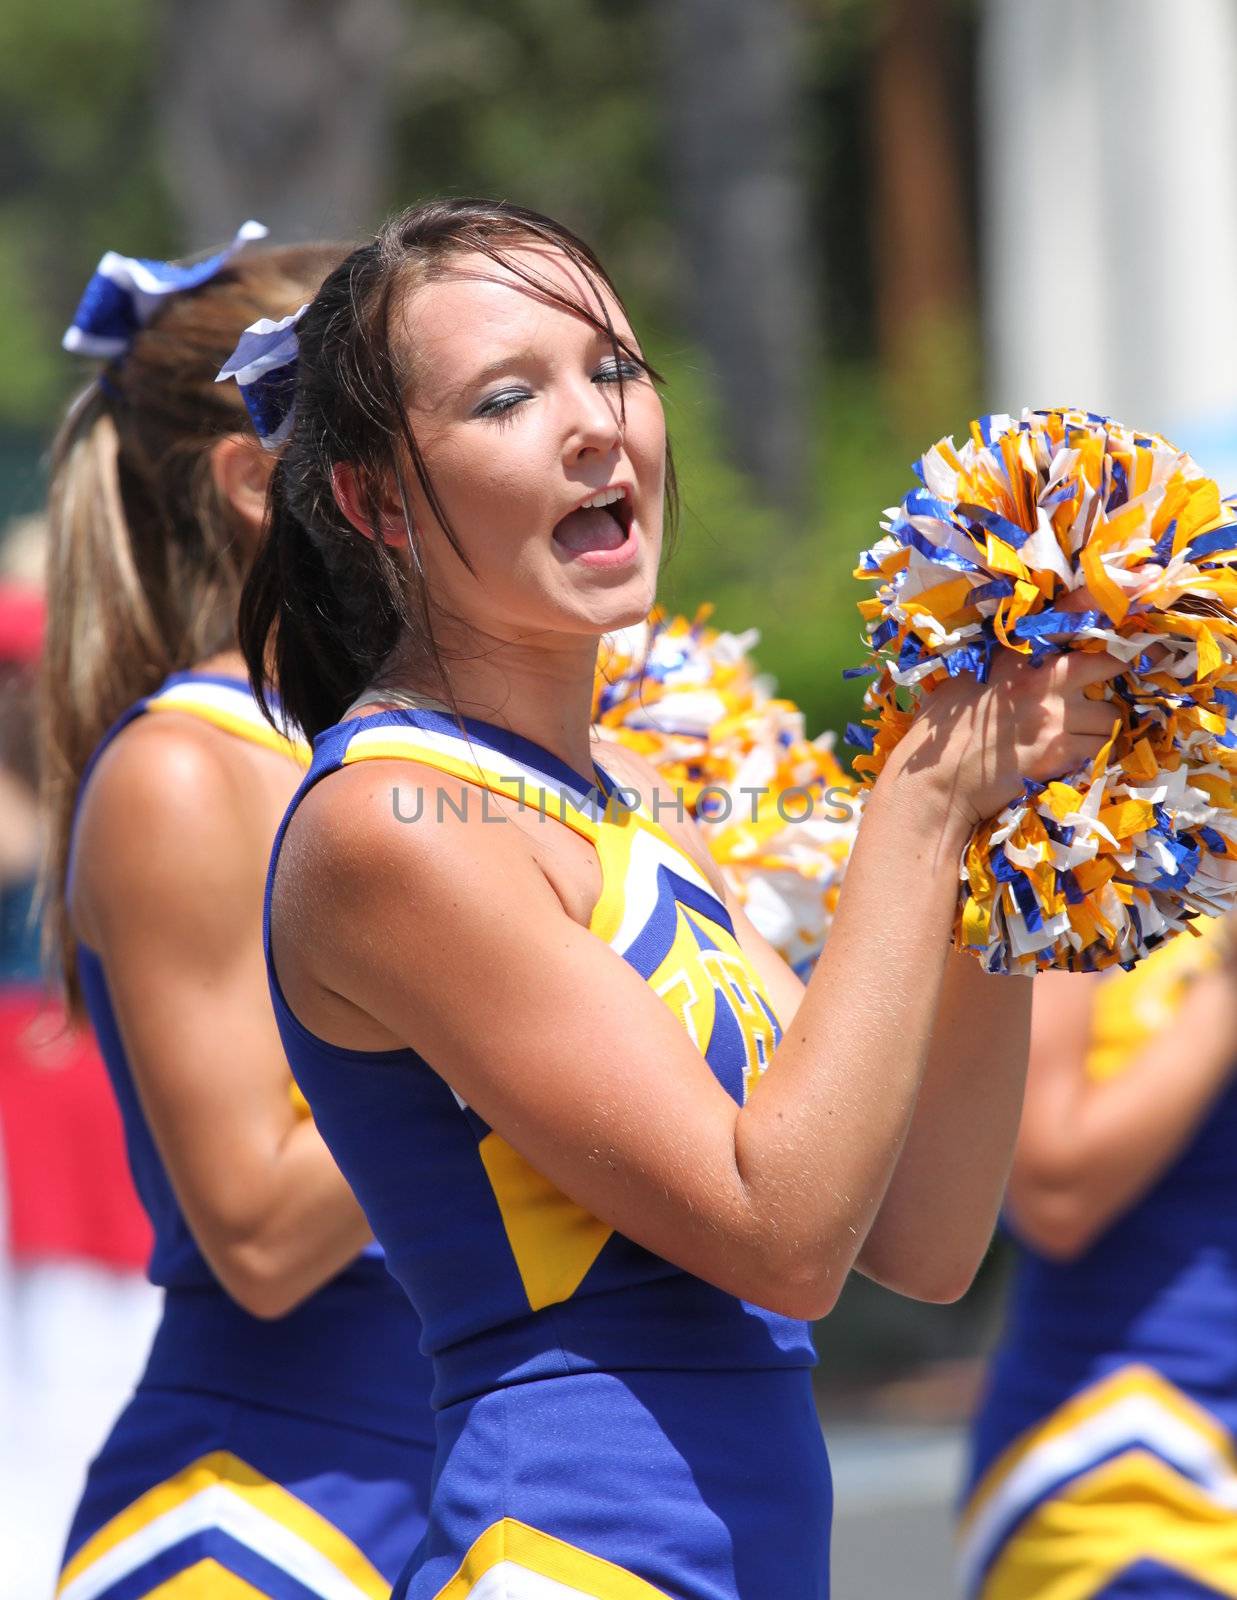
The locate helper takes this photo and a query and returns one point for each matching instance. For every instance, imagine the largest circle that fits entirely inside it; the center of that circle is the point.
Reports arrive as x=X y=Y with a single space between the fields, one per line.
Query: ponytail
x=105 y=644
x=145 y=560
x=318 y=629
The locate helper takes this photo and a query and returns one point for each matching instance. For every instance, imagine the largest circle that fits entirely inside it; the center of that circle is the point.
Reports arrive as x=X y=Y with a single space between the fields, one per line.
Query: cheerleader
x=278 y=1442
x=616 y=1152
x=1103 y=1451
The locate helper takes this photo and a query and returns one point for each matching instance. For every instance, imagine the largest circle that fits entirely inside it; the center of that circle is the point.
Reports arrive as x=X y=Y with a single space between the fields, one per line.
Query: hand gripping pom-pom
x=778 y=811
x=1062 y=530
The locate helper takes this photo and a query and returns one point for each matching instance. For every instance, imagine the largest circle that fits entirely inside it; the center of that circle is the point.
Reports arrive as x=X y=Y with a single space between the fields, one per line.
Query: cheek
x=646 y=436
x=497 y=506
x=480 y=481
x=501 y=463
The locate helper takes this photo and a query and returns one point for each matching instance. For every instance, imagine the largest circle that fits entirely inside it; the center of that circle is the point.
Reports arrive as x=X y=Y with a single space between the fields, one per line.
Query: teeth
x=607 y=497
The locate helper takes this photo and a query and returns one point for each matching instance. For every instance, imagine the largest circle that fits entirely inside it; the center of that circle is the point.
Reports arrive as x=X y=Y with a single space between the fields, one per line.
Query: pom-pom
x=1062 y=530
x=777 y=809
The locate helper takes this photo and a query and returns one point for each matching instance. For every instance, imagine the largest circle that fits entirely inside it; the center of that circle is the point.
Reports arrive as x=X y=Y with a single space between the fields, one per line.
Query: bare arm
x=937 y=1218
x=598 y=1085
x=1089 y=1150
x=169 y=874
x=935 y=1223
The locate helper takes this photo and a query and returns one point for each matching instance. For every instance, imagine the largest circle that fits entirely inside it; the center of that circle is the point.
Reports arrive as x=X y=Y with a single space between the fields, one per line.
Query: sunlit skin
x=173 y=836
x=880 y=1135
x=515 y=403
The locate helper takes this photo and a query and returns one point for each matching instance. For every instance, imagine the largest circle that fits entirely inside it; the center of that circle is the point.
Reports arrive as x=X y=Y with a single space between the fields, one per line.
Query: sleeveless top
x=207 y=1341
x=1131 y=1346
x=511 y=1279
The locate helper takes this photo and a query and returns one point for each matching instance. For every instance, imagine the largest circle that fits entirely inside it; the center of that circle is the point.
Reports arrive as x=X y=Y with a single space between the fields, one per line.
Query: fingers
x=1075 y=669
x=1068 y=753
x=1080 y=599
x=1092 y=717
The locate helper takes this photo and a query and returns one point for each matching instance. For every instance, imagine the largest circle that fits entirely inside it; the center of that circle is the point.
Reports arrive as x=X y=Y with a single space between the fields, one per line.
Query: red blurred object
x=21 y=623
x=70 y=1195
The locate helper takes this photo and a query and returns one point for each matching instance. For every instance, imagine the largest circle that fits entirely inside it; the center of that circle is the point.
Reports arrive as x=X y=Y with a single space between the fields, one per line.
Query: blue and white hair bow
x=264 y=366
x=126 y=291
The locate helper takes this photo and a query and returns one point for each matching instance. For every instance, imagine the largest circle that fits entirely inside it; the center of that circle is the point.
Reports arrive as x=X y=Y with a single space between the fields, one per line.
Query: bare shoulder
x=376 y=831
x=389 y=874
x=165 y=809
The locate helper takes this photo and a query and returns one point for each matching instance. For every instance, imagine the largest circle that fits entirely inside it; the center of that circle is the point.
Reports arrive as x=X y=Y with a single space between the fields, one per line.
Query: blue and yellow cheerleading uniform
x=286 y=1458
x=608 y=1425
x=1104 y=1463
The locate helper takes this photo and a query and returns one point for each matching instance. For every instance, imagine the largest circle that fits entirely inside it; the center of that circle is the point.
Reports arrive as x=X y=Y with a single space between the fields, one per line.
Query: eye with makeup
x=499 y=407
x=622 y=370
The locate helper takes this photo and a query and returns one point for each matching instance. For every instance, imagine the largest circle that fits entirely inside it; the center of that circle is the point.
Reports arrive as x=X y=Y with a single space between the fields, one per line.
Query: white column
x=1108 y=148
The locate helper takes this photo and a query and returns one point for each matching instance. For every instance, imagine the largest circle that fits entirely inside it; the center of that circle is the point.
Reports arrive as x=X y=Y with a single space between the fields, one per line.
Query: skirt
x=1127 y=1488
x=198 y=1495
x=633 y=1485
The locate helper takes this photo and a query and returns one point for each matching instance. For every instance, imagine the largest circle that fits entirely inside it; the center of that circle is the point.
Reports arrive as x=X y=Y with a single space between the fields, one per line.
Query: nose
x=594 y=421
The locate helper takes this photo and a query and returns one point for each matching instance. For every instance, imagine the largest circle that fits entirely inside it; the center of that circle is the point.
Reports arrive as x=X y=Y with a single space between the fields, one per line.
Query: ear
x=242 y=472
x=354 y=503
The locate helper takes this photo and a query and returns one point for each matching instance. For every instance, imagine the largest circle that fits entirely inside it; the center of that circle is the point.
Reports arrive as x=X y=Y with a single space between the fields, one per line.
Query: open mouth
x=603 y=523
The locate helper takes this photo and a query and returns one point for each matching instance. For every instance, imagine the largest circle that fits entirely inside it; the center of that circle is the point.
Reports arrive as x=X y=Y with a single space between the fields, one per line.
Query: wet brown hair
x=325 y=605
x=145 y=556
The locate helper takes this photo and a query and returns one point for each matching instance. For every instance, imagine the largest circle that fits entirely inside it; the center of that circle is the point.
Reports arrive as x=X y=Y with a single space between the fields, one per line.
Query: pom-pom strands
x=777 y=810
x=1062 y=530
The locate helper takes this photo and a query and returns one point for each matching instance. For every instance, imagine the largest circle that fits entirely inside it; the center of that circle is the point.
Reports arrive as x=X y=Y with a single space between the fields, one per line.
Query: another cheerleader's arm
x=1088 y=1150
x=448 y=934
x=170 y=851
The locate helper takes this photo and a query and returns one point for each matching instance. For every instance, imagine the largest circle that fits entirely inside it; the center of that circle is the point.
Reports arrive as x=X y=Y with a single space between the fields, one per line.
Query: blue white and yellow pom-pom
x=777 y=809
x=1062 y=530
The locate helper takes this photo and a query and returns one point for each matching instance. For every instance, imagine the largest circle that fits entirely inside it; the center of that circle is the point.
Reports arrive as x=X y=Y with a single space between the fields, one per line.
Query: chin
x=621 y=608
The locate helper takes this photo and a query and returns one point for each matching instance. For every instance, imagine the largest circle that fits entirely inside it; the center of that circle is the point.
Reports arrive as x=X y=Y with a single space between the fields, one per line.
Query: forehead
x=481 y=309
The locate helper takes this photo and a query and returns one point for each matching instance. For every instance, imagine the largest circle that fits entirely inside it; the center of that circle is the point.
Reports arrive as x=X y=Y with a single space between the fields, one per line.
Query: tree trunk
x=734 y=119
x=921 y=224
x=279 y=111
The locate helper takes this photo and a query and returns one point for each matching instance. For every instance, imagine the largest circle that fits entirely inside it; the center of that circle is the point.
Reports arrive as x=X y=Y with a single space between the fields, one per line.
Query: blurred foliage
x=794 y=584
x=77 y=121
x=550 y=103
x=554 y=103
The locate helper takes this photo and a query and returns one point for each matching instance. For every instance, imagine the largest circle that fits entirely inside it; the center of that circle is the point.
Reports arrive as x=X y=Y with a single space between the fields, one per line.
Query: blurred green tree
x=578 y=107
x=76 y=118
x=738 y=143
x=281 y=111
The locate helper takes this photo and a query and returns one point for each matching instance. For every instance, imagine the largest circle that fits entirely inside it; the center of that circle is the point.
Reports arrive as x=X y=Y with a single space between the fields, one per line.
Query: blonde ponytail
x=144 y=561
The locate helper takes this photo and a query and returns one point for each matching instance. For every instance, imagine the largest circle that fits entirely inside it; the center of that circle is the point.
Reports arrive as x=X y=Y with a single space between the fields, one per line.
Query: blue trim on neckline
x=491 y=736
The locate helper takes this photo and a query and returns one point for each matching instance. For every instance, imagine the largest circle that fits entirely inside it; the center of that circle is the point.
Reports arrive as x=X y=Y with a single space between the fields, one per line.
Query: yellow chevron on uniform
x=554 y=1241
x=221 y=1491
x=1135 y=1508
x=512 y=1558
x=1126 y=1449
x=205 y=1580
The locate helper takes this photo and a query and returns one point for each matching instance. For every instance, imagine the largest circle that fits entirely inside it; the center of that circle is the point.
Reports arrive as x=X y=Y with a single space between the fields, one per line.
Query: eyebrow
x=494 y=369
